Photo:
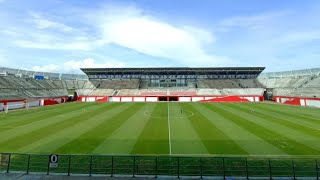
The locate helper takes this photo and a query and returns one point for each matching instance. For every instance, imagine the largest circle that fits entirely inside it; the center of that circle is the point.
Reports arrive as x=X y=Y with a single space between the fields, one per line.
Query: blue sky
x=63 y=36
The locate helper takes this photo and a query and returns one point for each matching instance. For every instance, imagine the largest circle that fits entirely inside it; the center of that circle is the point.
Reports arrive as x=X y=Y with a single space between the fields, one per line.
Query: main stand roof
x=174 y=72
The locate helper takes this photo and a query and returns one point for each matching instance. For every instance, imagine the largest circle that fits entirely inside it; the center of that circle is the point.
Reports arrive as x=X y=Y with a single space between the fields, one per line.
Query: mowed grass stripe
x=154 y=137
x=11 y=133
x=124 y=138
x=307 y=110
x=52 y=142
x=295 y=112
x=279 y=119
x=212 y=137
x=184 y=139
x=13 y=122
x=289 y=115
x=55 y=128
x=251 y=143
x=88 y=141
x=273 y=137
x=285 y=131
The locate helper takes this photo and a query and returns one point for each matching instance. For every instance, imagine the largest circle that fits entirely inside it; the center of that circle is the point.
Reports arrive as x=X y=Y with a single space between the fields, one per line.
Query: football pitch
x=168 y=128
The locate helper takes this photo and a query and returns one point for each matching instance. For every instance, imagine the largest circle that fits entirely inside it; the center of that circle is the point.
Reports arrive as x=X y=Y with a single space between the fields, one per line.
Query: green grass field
x=163 y=129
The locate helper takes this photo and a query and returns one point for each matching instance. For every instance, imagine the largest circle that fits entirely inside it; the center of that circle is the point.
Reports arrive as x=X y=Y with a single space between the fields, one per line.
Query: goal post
x=26 y=104
x=15 y=106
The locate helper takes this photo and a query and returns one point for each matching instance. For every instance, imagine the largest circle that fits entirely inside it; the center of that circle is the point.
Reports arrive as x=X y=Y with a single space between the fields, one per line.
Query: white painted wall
x=315 y=103
x=152 y=99
x=207 y=98
x=195 y=99
x=138 y=99
x=33 y=103
x=114 y=99
x=91 y=99
x=185 y=99
x=126 y=99
x=16 y=105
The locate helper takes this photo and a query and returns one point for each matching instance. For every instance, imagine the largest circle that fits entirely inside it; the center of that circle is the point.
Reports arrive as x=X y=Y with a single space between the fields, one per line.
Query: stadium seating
x=16 y=84
x=88 y=85
x=5 y=83
x=119 y=84
x=314 y=82
x=244 y=91
x=9 y=94
x=250 y=83
x=183 y=92
x=219 y=83
x=128 y=92
x=102 y=92
x=152 y=92
x=215 y=92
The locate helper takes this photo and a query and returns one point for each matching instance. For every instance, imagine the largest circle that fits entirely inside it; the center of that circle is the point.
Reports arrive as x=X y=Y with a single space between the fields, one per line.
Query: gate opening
x=163 y=99
x=173 y=98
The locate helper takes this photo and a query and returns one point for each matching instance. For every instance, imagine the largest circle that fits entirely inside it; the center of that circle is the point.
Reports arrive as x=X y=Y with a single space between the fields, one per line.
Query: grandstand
x=300 y=83
x=160 y=82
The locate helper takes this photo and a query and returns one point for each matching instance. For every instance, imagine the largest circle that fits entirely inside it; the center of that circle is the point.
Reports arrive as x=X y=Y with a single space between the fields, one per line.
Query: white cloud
x=52 y=44
x=301 y=36
x=132 y=28
x=125 y=26
x=74 y=66
x=46 y=68
x=43 y=23
x=48 y=34
x=253 y=22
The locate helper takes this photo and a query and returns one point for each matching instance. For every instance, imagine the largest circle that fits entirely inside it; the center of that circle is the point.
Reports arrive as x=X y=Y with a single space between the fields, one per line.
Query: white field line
x=250 y=155
x=169 y=130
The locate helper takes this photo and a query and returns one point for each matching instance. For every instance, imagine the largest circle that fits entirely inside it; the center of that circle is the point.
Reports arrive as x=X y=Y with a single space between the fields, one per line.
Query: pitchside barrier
x=173 y=166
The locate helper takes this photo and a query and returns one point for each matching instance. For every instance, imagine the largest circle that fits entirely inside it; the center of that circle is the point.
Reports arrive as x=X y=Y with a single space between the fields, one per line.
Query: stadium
x=167 y=89
x=180 y=122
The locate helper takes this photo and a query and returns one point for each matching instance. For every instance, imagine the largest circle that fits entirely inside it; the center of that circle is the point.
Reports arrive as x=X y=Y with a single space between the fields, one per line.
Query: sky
x=64 y=36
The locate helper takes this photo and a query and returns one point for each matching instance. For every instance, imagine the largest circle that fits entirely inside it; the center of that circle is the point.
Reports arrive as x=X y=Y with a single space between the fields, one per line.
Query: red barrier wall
x=299 y=101
x=103 y=99
x=48 y=102
x=42 y=101
x=248 y=98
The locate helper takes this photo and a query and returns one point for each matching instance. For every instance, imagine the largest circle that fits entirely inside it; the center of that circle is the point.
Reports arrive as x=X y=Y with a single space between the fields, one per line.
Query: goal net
x=30 y=103
x=15 y=106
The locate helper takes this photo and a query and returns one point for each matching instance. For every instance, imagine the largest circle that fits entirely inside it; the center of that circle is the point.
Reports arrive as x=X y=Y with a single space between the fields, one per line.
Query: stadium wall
x=253 y=98
x=299 y=101
x=22 y=103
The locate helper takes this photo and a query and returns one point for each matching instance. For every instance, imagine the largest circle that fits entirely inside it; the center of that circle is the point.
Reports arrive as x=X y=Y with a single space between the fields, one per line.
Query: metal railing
x=177 y=166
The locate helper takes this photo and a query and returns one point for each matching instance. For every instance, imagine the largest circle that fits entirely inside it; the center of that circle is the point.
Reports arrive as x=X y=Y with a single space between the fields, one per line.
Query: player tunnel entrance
x=163 y=98
x=167 y=98
x=173 y=98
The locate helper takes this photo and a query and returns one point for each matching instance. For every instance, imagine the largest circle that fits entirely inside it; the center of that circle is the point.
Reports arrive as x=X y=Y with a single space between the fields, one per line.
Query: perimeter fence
x=174 y=166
